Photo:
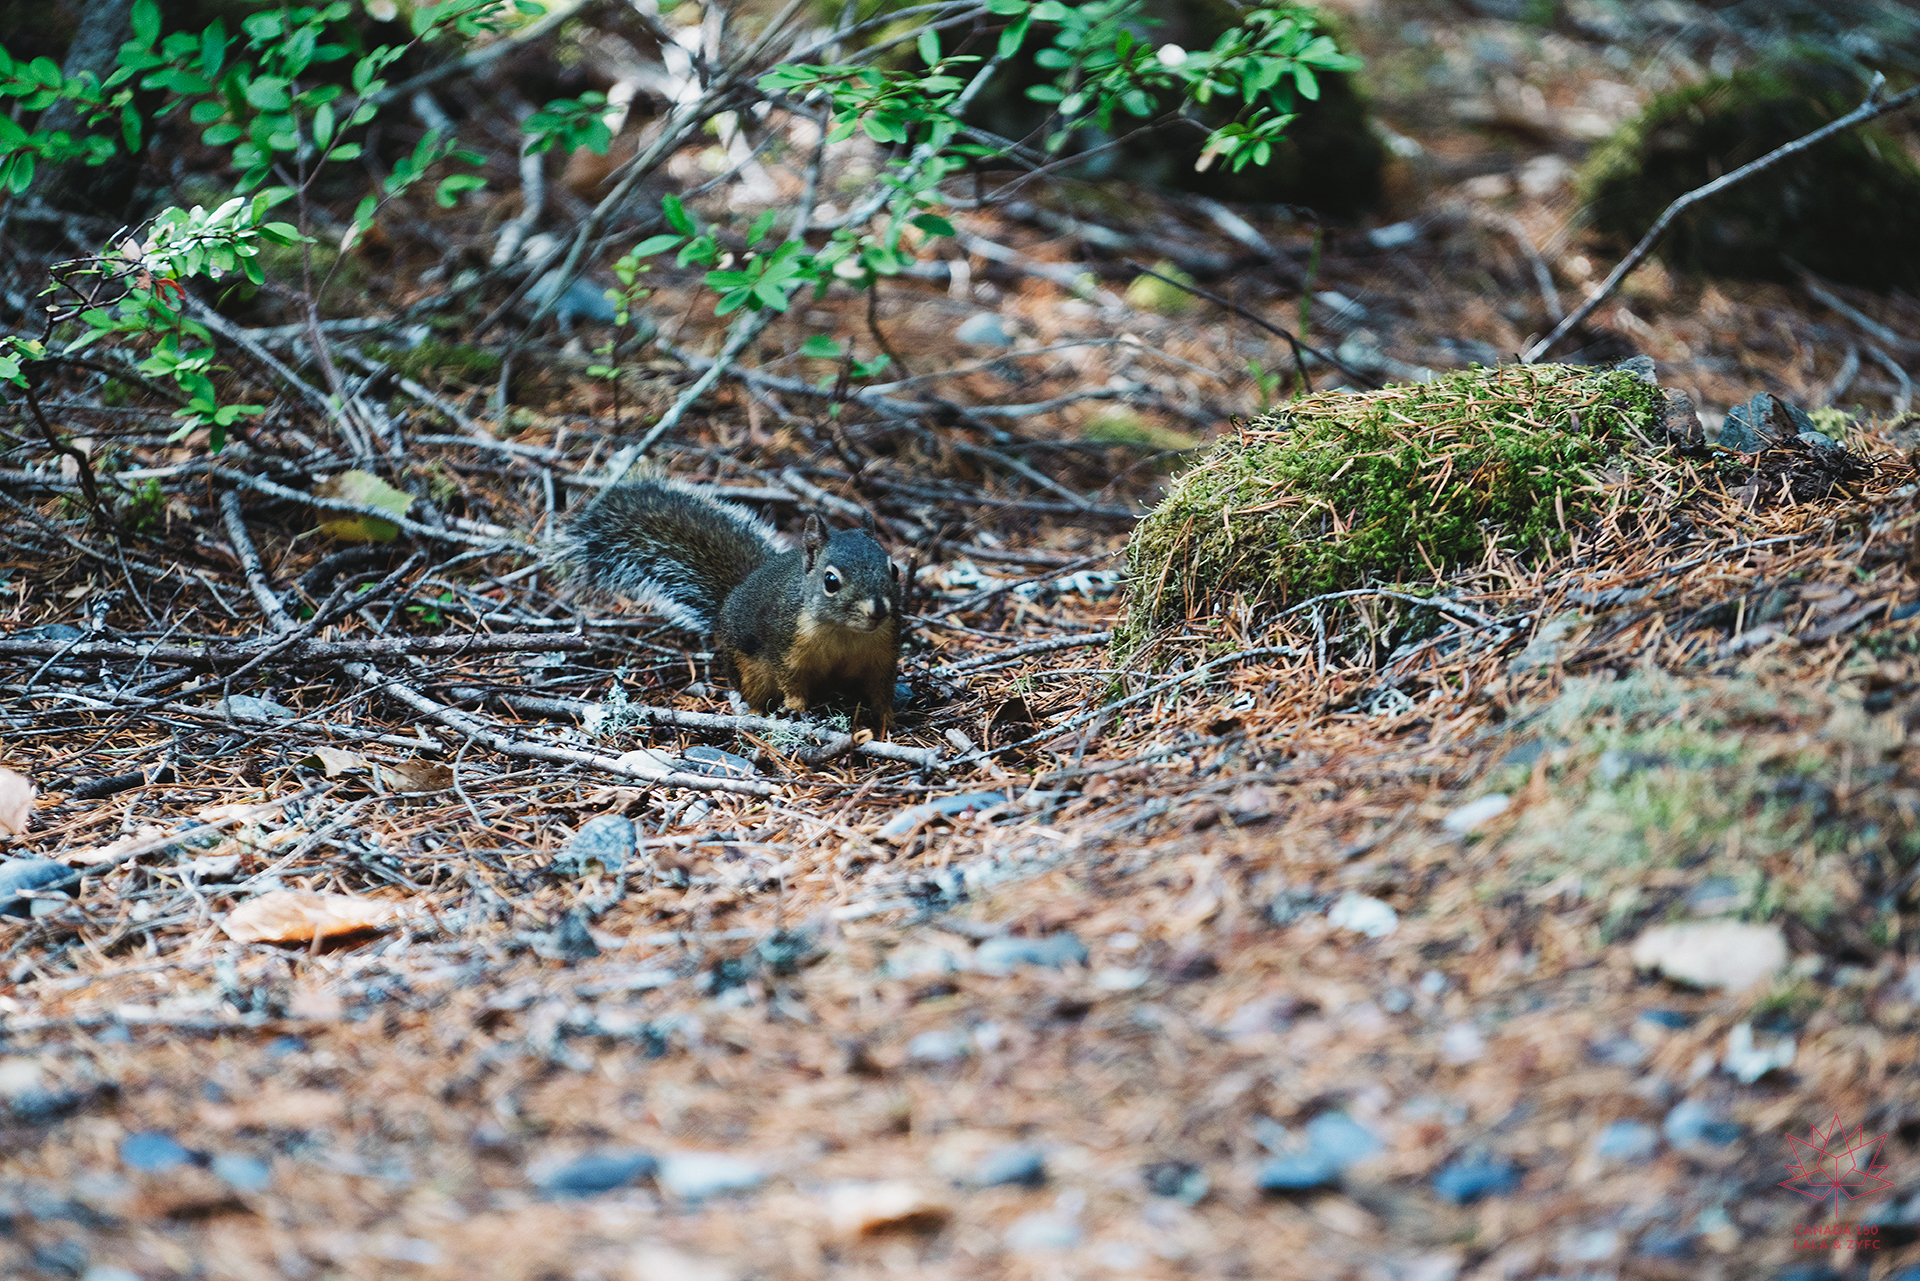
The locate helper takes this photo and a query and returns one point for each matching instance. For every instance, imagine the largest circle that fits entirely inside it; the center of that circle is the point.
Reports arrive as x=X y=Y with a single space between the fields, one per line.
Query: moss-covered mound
x=1349 y=488
x=1843 y=209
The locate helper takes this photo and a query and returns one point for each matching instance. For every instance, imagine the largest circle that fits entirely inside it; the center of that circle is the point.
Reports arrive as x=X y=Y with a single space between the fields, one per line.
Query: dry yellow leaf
x=299 y=916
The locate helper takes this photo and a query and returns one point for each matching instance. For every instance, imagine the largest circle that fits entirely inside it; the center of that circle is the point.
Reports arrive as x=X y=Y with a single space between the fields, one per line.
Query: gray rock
x=1299 y=1172
x=1715 y=896
x=984 y=329
x=241 y=1172
x=1469 y=1178
x=697 y=1175
x=1625 y=1141
x=1762 y=423
x=1640 y=367
x=1006 y=953
x=153 y=1152
x=1176 y=1179
x=1692 y=1123
x=1341 y=1139
x=1043 y=1232
x=595 y=1173
x=1020 y=1165
x=711 y=760
x=603 y=844
x=942 y=1045
x=18 y=874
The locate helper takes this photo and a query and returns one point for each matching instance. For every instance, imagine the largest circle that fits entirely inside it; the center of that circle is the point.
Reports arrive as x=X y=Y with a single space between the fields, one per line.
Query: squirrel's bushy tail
x=669 y=547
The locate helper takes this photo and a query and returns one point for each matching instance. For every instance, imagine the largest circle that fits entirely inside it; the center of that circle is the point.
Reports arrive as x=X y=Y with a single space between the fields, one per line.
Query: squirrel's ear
x=813 y=542
x=868 y=523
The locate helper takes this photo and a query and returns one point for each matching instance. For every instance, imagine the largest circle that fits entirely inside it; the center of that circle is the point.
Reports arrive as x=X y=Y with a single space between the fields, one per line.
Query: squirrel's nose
x=880 y=608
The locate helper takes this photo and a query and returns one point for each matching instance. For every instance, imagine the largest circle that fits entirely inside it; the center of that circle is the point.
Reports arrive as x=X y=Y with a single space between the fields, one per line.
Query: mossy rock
x=1344 y=489
x=1844 y=209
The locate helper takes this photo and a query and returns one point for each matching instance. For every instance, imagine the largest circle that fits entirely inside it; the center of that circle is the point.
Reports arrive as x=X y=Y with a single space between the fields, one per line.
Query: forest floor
x=1324 y=967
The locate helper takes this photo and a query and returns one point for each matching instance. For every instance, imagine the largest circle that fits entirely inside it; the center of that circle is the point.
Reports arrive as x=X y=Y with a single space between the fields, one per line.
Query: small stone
x=1298 y=1172
x=1341 y=1139
x=1176 y=1179
x=1666 y=1020
x=786 y=951
x=108 y=1272
x=653 y=1262
x=1462 y=1043
x=21 y=874
x=876 y=1209
x=602 y=845
x=711 y=760
x=153 y=1152
x=695 y=1175
x=1468 y=1179
x=1692 y=1123
x=1042 y=1232
x=1396 y=235
x=570 y=940
x=1006 y=953
x=1712 y=954
x=1762 y=423
x=241 y=1172
x=984 y=329
x=245 y=707
x=1640 y=367
x=595 y=1173
x=1476 y=813
x=1019 y=1165
x=1747 y=1062
x=1715 y=896
x=1369 y=916
x=941 y=1045
x=1625 y=1141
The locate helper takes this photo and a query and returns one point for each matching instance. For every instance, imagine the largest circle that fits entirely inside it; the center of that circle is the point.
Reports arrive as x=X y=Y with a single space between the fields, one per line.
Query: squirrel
x=795 y=625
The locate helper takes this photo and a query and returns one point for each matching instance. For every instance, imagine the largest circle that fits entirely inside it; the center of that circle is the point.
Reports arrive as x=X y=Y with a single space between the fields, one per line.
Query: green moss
x=1843 y=209
x=1124 y=427
x=425 y=360
x=1344 y=488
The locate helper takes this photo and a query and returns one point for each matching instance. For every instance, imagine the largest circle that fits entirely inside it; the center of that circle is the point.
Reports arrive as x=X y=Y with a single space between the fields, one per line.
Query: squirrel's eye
x=832 y=582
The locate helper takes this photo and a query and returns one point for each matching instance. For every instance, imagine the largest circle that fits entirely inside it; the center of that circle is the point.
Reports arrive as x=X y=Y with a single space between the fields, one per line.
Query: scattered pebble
x=694 y=1175
x=875 y=1209
x=1006 y=953
x=1462 y=1043
x=241 y=1172
x=19 y=874
x=711 y=760
x=1712 y=954
x=984 y=329
x=602 y=845
x=1469 y=1178
x=1626 y=1141
x=1715 y=896
x=1042 y=1232
x=1395 y=235
x=911 y=819
x=153 y=1152
x=1363 y=915
x=1333 y=1141
x=1176 y=1179
x=594 y=1173
x=1475 y=813
x=941 y=1045
x=1692 y=1123
x=1747 y=1062
x=1021 y=1165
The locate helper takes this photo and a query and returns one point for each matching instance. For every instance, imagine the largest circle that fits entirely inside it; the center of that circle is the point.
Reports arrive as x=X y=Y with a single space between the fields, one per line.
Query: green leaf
x=820 y=347
x=929 y=46
x=366 y=490
x=1303 y=80
x=323 y=123
x=933 y=224
x=762 y=225
x=146 y=21
x=676 y=215
x=346 y=151
x=220 y=135
x=1013 y=37
x=655 y=245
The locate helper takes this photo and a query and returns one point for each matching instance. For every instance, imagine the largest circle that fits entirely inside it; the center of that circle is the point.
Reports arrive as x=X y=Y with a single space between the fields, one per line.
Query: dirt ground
x=1231 y=968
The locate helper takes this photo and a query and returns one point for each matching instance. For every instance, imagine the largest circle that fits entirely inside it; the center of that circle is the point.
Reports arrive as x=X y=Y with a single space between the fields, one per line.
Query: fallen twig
x=1866 y=111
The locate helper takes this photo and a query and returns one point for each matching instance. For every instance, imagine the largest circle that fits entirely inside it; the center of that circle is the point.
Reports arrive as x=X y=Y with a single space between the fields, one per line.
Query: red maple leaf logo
x=1837 y=1164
